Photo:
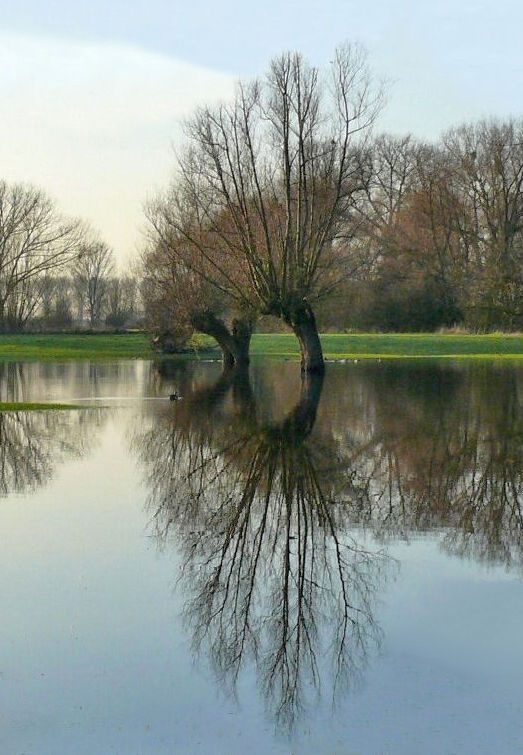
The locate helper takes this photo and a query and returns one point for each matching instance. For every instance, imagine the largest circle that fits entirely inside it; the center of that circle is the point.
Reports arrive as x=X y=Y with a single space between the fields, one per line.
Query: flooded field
x=265 y=565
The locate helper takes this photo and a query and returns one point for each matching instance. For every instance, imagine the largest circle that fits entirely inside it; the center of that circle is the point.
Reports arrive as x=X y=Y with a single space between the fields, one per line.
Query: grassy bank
x=65 y=347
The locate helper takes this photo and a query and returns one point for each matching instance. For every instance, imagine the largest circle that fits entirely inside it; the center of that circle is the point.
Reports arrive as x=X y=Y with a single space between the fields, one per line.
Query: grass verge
x=396 y=346
x=65 y=347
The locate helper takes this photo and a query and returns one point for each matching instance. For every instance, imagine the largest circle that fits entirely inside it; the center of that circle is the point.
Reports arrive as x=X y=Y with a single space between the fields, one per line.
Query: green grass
x=33 y=406
x=65 y=347
x=396 y=345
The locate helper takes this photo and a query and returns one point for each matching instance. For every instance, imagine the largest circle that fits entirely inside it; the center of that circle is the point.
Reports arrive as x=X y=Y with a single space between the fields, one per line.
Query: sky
x=93 y=94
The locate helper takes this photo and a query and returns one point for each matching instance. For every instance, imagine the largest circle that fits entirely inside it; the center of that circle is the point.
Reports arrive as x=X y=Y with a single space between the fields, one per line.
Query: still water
x=265 y=566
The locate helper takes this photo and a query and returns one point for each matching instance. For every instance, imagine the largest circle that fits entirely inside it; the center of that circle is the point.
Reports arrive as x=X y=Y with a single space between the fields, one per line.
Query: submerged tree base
x=303 y=323
x=234 y=341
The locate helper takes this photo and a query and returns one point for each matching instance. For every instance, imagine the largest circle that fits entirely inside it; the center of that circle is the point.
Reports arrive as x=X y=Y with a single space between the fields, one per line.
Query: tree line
x=285 y=204
x=442 y=224
x=55 y=272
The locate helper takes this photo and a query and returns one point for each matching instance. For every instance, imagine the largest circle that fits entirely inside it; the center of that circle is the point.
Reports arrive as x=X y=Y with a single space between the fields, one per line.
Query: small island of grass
x=34 y=406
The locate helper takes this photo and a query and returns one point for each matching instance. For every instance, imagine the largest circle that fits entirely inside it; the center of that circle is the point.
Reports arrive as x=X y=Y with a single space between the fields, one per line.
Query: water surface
x=266 y=565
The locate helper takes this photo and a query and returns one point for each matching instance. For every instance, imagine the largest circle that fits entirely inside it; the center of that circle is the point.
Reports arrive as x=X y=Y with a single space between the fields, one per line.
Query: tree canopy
x=264 y=198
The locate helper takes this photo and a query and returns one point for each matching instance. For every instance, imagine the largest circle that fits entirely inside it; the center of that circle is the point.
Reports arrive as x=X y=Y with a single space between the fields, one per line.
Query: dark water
x=265 y=566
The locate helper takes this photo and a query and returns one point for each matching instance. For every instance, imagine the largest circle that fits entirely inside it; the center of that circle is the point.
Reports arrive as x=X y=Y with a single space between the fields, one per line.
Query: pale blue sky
x=92 y=93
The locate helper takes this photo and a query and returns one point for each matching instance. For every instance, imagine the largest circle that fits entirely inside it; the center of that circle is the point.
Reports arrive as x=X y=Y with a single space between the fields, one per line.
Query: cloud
x=93 y=124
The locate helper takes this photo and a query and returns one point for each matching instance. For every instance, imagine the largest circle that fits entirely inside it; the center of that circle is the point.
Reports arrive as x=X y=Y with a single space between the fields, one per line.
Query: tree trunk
x=302 y=321
x=234 y=344
x=241 y=333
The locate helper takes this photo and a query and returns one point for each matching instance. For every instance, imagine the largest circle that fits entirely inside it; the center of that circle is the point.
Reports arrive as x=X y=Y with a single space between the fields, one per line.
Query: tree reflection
x=265 y=511
x=445 y=452
x=272 y=572
x=32 y=444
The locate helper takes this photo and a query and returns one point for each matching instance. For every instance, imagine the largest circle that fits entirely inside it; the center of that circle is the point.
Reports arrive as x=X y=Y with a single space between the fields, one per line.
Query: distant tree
x=456 y=251
x=56 y=303
x=120 y=300
x=394 y=178
x=48 y=287
x=403 y=279
x=94 y=267
x=487 y=160
x=35 y=242
x=416 y=287
x=62 y=315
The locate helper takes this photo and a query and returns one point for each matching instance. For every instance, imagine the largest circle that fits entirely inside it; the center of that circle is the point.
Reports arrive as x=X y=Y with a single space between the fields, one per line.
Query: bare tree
x=264 y=201
x=121 y=299
x=95 y=266
x=179 y=300
x=419 y=261
x=488 y=173
x=441 y=232
x=35 y=241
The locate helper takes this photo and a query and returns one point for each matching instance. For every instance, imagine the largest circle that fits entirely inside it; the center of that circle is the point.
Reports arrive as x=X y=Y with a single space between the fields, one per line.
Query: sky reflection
x=346 y=558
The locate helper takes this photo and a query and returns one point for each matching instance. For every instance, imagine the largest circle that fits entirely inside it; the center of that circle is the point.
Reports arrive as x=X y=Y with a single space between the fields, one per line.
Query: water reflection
x=33 y=444
x=442 y=449
x=270 y=568
x=64 y=381
x=269 y=508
